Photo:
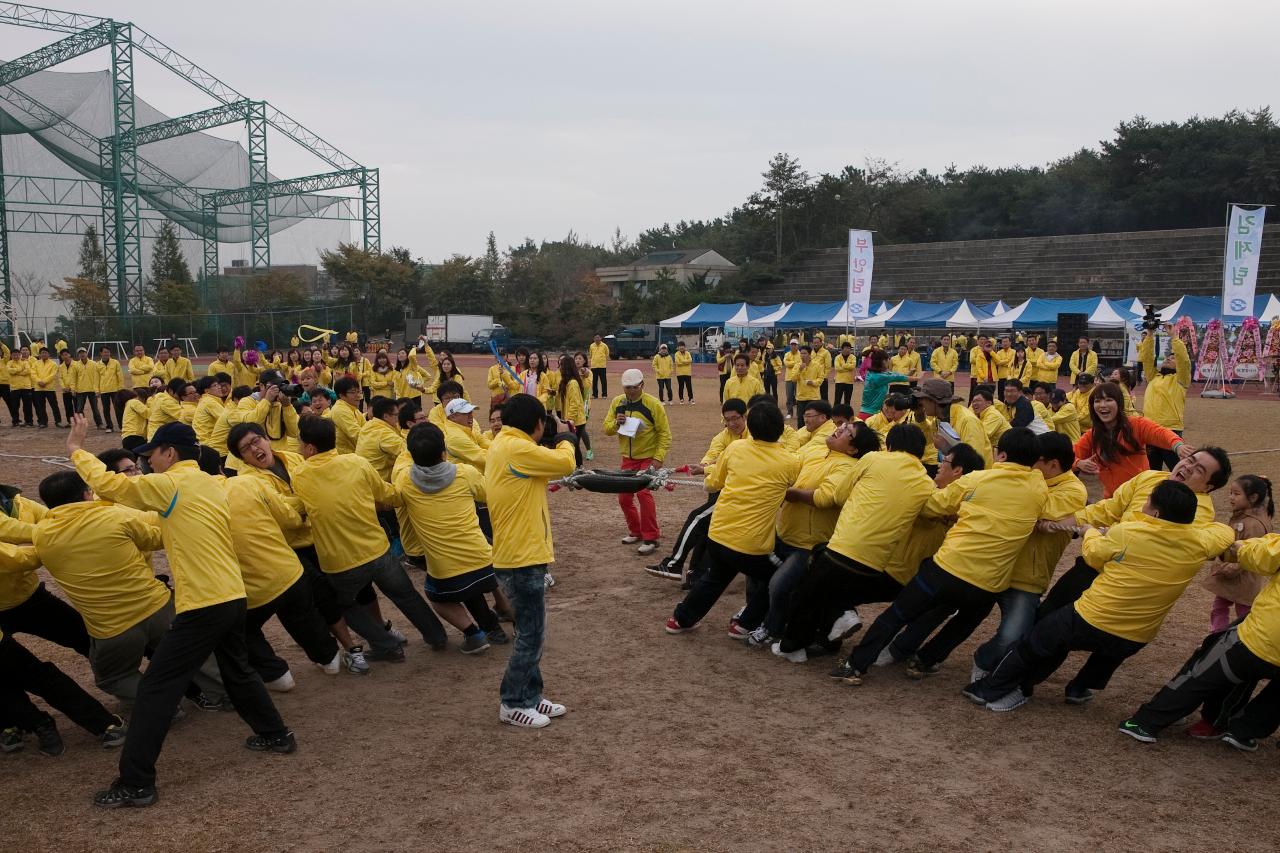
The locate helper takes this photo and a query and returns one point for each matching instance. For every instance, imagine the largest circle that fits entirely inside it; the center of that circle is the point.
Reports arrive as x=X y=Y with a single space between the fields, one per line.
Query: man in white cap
x=460 y=438
x=644 y=436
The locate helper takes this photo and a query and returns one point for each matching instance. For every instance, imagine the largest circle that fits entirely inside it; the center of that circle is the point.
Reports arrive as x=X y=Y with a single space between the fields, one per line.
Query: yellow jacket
x=515 y=484
x=18 y=564
x=1143 y=567
x=1090 y=364
x=924 y=540
x=1126 y=502
x=984 y=369
x=846 y=367
x=811 y=441
x=719 y=442
x=803 y=525
x=134 y=420
x=65 y=380
x=752 y=478
x=108 y=376
x=994 y=423
x=164 y=409
x=1003 y=359
x=972 y=432
x=1067 y=421
x=1047 y=367
x=996 y=511
x=653 y=439
x=1039 y=556
x=1165 y=399
x=791 y=361
x=464 y=445
x=43 y=373
x=140 y=370
x=383 y=384
x=500 y=381
x=572 y=406
x=348 y=420
x=379 y=444
x=445 y=521
x=944 y=362
x=683 y=362
x=267 y=563
x=1260 y=630
x=84 y=377
x=244 y=374
x=881 y=496
x=195 y=525
x=808 y=379
x=341 y=493
x=219 y=366
x=208 y=410
x=743 y=388
x=598 y=354
x=180 y=367
x=1080 y=399
x=908 y=365
x=662 y=366
x=17 y=527
x=19 y=373
x=297 y=537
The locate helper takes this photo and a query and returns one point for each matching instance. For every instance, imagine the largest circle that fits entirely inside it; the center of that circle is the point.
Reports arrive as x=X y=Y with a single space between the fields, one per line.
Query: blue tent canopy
x=1202 y=309
x=718 y=314
x=802 y=314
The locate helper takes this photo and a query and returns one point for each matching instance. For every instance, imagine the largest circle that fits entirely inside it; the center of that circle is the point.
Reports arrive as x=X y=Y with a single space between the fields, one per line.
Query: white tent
x=967 y=316
x=1271 y=311
x=877 y=321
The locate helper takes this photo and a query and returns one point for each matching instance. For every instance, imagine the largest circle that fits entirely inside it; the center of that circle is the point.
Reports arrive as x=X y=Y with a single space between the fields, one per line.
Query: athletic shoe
x=120 y=796
x=283 y=744
x=736 y=631
x=524 y=718
x=204 y=703
x=1078 y=695
x=647 y=548
x=821 y=650
x=354 y=660
x=977 y=674
x=114 y=736
x=1204 y=730
x=1137 y=732
x=395 y=655
x=885 y=658
x=551 y=709
x=1244 y=744
x=788 y=417
x=589 y=455
x=548 y=581
x=663 y=570
x=474 y=644
x=399 y=637
x=630 y=540
x=11 y=740
x=842 y=671
x=283 y=684
x=1009 y=702
x=918 y=669
x=798 y=656
x=971 y=693
x=50 y=742
x=674 y=627
x=333 y=666
x=845 y=627
x=497 y=637
x=760 y=639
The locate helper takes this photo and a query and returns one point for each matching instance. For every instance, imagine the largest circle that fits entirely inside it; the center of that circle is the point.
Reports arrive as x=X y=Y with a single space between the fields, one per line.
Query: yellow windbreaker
x=1165 y=399
x=17 y=527
x=341 y=493
x=653 y=438
x=1260 y=630
x=803 y=525
x=684 y=363
x=380 y=444
x=1127 y=501
x=598 y=354
x=752 y=478
x=743 y=388
x=208 y=410
x=516 y=486
x=881 y=497
x=662 y=366
x=1090 y=365
x=348 y=420
x=1039 y=556
x=267 y=563
x=140 y=370
x=219 y=366
x=944 y=362
x=808 y=379
x=446 y=523
x=846 y=367
x=164 y=409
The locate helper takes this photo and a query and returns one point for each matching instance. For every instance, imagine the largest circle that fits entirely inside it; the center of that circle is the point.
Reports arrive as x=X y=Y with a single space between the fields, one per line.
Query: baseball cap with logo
x=458 y=406
x=632 y=378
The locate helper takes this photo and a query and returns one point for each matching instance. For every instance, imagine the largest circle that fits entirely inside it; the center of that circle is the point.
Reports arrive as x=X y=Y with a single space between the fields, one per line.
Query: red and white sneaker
x=674 y=627
x=524 y=718
x=1204 y=730
x=551 y=709
x=736 y=631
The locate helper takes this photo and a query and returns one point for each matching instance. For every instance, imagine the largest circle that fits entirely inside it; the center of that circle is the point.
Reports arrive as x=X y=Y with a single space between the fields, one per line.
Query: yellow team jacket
x=653 y=439
x=341 y=493
x=881 y=497
x=598 y=355
x=17 y=527
x=1165 y=399
x=1090 y=365
x=1126 y=502
x=140 y=370
x=445 y=522
x=944 y=361
x=752 y=478
x=808 y=379
x=380 y=444
x=267 y=563
x=347 y=420
x=803 y=525
x=1260 y=630
x=684 y=363
x=515 y=483
x=1039 y=556
x=662 y=366
x=743 y=387
x=846 y=366
x=1067 y=421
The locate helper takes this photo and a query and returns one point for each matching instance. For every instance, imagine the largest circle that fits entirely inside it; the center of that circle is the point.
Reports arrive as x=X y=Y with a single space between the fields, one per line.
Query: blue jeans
x=527 y=591
x=795 y=563
x=1017 y=618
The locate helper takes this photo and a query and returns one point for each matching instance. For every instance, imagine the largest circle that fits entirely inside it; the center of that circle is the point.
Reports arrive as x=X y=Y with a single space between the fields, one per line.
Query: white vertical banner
x=1240 y=265
x=861 y=262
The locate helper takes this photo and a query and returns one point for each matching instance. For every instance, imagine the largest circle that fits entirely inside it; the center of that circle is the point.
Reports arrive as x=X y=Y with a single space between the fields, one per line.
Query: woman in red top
x=1115 y=447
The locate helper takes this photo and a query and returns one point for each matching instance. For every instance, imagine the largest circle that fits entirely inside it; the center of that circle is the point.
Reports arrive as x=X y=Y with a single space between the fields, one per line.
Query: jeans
x=1159 y=458
x=1017 y=618
x=389 y=577
x=684 y=383
x=833 y=584
x=782 y=586
x=22 y=672
x=115 y=660
x=642 y=522
x=192 y=637
x=664 y=388
x=297 y=613
x=599 y=382
x=46 y=616
x=724 y=565
x=526 y=589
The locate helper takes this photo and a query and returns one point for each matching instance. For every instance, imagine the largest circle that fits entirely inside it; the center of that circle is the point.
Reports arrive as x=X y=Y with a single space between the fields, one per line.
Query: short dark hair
x=382 y=406
x=449 y=387
x=1173 y=500
x=1083 y=377
x=822 y=407
x=964 y=457
x=865 y=440
x=757 y=399
x=901 y=402
x=765 y=422
x=1056 y=447
x=113 y=456
x=733 y=404
x=842 y=410
x=316 y=431
x=523 y=412
x=1223 y=474
x=177 y=385
x=408 y=412
x=237 y=434
x=426 y=444
x=223 y=377
x=62 y=487
x=204 y=383
x=1058 y=396
x=345 y=385
x=908 y=438
x=1013 y=383
x=1020 y=446
x=741 y=358
x=986 y=392
x=240 y=392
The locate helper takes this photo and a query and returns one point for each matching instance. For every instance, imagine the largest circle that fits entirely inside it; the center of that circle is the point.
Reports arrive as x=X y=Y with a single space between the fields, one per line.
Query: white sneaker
x=759 y=638
x=399 y=637
x=885 y=658
x=524 y=718
x=977 y=674
x=551 y=709
x=647 y=548
x=848 y=622
x=798 y=656
x=334 y=666
x=548 y=581
x=355 y=660
x=1008 y=702
x=630 y=540
x=283 y=684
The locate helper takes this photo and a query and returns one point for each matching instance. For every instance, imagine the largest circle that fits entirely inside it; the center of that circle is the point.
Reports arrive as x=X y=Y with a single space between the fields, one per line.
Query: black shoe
x=1244 y=744
x=665 y=570
x=846 y=673
x=918 y=669
x=50 y=740
x=204 y=703
x=395 y=655
x=11 y=739
x=819 y=650
x=120 y=796
x=114 y=736
x=498 y=636
x=284 y=744
x=1078 y=695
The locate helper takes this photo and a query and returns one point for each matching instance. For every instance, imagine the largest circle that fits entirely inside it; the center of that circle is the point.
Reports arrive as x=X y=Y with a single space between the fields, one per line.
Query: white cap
x=631 y=378
x=458 y=406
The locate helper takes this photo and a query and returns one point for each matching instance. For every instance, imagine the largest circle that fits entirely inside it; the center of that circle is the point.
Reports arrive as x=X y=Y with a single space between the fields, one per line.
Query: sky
x=532 y=119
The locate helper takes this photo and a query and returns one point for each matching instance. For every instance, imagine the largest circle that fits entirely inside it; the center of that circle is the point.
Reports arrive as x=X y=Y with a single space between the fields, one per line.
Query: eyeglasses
x=251 y=442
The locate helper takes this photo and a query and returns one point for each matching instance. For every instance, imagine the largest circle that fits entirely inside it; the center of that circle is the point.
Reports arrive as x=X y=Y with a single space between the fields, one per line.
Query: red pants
x=642 y=522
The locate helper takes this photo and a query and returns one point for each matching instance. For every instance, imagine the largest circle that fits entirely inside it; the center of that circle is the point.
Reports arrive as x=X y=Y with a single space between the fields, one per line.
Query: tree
x=84 y=297
x=93 y=263
x=26 y=289
x=170 y=289
x=491 y=264
x=785 y=181
x=275 y=291
x=382 y=284
x=172 y=298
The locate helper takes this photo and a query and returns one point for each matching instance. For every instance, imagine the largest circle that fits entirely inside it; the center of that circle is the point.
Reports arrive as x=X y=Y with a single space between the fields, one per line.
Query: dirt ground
x=671 y=743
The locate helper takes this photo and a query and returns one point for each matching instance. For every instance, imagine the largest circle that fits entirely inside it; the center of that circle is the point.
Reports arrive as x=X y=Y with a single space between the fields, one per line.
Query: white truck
x=450 y=330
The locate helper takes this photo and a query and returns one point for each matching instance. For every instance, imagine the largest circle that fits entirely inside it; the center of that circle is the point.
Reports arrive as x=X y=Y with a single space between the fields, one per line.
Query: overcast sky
x=534 y=118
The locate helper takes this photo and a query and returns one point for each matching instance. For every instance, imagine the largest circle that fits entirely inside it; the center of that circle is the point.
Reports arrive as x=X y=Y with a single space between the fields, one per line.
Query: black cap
x=176 y=434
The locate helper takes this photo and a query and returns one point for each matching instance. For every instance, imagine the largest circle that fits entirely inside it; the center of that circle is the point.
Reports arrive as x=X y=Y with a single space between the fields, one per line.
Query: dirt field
x=671 y=743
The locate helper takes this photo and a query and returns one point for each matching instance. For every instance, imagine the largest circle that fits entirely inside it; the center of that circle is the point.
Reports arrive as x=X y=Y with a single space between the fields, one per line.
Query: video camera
x=287 y=388
x=1150 y=322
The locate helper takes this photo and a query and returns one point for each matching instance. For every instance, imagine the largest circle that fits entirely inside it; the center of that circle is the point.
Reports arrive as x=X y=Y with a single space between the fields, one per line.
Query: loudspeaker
x=1071 y=328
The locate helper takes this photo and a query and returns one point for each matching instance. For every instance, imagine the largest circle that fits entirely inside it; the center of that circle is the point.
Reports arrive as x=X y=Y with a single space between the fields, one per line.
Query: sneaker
x=1137 y=732
x=283 y=684
x=11 y=740
x=842 y=671
x=333 y=666
x=885 y=658
x=354 y=660
x=204 y=703
x=788 y=416
x=1078 y=695
x=548 y=581
x=760 y=639
x=1244 y=744
x=798 y=656
x=846 y=626
x=977 y=674
x=918 y=669
x=395 y=655
x=1204 y=730
x=736 y=631
x=971 y=693
x=524 y=718
x=283 y=744
x=114 y=736
x=589 y=455
x=120 y=796
x=663 y=570
x=474 y=644
x=1009 y=702
x=50 y=742
x=396 y=635
x=497 y=637
x=674 y=627
x=647 y=548
x=551 y=709
x=630 y=540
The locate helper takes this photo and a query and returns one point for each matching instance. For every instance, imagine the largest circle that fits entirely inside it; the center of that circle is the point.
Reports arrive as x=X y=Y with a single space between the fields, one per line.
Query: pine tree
x=167 y=260
x=93 y=263
x=491 y=264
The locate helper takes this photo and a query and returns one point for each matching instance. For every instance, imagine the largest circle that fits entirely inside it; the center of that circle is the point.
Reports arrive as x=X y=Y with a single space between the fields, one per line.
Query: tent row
x=1034 y=313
